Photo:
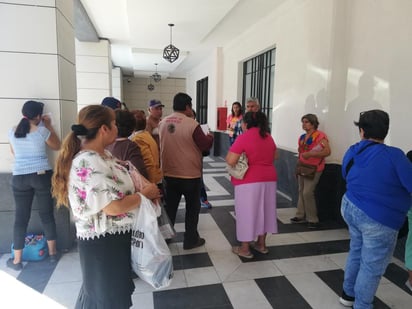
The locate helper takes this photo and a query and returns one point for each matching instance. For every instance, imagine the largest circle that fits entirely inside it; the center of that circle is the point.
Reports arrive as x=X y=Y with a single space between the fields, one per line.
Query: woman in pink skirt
x=255 y=194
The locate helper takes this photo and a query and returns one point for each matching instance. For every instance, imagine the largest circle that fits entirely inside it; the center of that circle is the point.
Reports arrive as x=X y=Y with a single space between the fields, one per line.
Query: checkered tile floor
x=304 y=268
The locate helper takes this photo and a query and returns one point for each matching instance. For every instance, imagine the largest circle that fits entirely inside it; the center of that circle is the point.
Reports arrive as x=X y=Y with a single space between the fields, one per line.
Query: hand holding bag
x=151 y=257
x=165 y=225
x=240 y=169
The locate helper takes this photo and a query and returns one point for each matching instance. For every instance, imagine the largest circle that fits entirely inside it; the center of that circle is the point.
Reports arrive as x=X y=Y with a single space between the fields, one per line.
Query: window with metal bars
x=258 y=81
x=201 y=100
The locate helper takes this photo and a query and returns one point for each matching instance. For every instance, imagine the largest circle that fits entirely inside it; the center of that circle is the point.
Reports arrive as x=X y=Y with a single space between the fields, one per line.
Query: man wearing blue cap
x=111 y=102
x=155 y=108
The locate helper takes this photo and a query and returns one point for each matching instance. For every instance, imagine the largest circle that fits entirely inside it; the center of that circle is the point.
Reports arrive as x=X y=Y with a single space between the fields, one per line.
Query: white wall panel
x=207 y=68
x=93 y=49
x=68 y=110
x=13 y=107
x=7 y=159
x=379 y=53
x=34 y=31
x=50 y=3
x=136 y=95
x=92 y=80
x=92 y=64
x=66 y=8
x=20 y=76
x=67 y=80
x=91 y=96
x=65 y=34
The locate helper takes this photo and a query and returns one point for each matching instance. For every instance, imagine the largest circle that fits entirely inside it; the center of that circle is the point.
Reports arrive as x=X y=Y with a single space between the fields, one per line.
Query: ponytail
x=22 y=128
x=60 y=179
x=90 y=119
x=30 y=110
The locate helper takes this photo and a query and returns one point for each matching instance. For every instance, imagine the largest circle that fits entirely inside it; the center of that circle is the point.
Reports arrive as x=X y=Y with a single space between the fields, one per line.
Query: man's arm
x=203 y=142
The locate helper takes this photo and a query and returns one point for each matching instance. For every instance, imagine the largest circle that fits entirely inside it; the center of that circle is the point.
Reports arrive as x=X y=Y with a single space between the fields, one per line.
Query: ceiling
x=138 y=29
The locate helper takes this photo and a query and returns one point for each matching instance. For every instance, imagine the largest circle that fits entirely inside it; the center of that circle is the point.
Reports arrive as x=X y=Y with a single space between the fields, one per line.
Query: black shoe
x=54 y=258
x=313 y=225
x=10 y=264
x=346 y=300
x=200 y=242
x=134 y=275
x=297 y=220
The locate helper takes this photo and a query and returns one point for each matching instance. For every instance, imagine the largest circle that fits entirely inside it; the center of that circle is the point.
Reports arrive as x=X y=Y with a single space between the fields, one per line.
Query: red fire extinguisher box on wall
x=221 y=118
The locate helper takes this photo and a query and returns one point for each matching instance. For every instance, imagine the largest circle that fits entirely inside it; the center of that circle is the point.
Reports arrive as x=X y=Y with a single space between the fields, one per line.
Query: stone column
x=117 y=83
x=94 y=72
x=37 y=60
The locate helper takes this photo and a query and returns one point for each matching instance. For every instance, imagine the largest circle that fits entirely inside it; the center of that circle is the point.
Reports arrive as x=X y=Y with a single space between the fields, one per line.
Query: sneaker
x=346 y=300
x=205 y=204
x=10 y=264
x=408 y=285
x=297 y=220
x=54 y=258
x=134 y=275
x=200 y=242
x=313 y=225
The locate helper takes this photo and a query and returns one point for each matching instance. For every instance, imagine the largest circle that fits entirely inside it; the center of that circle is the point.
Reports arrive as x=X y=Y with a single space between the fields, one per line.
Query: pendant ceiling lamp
x=150 y=87
x=170 y=52
x=156 y=76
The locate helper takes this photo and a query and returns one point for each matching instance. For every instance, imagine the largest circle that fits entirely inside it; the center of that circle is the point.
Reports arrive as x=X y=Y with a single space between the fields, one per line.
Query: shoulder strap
x=351 y=161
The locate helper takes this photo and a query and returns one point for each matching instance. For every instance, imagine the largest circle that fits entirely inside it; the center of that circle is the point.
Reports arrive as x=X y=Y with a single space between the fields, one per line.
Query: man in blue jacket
x=378 y=196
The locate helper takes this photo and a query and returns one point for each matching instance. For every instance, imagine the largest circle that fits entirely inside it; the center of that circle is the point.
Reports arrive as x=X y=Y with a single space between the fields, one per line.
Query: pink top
x=261 y=155
x=312 y=143
x=231 y=120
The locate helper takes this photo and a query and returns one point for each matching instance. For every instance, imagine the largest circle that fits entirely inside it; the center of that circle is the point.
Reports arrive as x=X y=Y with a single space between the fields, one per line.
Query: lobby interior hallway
x=304 y=268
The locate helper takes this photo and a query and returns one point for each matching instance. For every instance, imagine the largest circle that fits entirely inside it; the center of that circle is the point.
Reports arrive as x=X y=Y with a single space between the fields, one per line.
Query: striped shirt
x=30 y=152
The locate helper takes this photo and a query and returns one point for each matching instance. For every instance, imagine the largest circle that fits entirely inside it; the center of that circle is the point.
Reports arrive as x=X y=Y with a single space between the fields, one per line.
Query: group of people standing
x=253 y=223
x=377 y=199
x=91 y=177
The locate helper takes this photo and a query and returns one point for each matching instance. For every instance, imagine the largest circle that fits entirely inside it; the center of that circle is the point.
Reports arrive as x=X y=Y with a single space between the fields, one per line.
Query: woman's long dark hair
x=240 y=108
x=89 y=121
x=30 y=110
x=257 y=120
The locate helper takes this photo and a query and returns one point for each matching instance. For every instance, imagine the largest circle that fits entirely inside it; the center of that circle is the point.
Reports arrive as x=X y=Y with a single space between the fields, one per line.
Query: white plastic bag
x=151 y=257
x=165 y=225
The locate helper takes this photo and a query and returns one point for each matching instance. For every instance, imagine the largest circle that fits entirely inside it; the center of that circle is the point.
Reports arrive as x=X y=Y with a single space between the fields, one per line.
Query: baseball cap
x=155 y=103
x=111 y=102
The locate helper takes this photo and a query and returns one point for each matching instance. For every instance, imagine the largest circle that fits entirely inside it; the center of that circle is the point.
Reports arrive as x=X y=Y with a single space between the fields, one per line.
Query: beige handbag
x=240 y=169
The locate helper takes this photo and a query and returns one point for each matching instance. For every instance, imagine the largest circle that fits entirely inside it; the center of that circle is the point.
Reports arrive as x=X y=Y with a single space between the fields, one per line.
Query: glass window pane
x=258 y=80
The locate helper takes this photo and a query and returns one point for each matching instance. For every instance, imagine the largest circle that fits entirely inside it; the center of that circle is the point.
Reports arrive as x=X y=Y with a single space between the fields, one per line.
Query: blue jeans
x=408 y=245
x=371 y=248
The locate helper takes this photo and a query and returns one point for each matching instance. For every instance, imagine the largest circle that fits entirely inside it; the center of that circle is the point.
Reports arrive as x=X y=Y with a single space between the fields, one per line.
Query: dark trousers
x=190 y=189
x=203 y=194
x=25 y=188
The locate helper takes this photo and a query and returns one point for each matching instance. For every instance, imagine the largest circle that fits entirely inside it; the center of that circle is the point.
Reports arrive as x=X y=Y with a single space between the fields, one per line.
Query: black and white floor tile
x=304 y=268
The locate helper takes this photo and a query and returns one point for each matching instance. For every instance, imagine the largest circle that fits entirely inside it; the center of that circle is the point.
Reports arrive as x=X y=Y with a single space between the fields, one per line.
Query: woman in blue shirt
x=32 y=177
x=378 y=196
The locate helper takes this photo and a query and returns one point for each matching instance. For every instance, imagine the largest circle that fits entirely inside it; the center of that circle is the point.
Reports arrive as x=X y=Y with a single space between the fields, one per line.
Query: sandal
x=236 y=250
x=264 y=251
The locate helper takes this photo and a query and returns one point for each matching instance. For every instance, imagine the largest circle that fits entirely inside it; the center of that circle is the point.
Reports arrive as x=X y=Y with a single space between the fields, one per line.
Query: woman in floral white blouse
x=101 y=194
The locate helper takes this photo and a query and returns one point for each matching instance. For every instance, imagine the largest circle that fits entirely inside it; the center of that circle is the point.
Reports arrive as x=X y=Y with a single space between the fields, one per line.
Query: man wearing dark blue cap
x=111 y=102
x=155 y=108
